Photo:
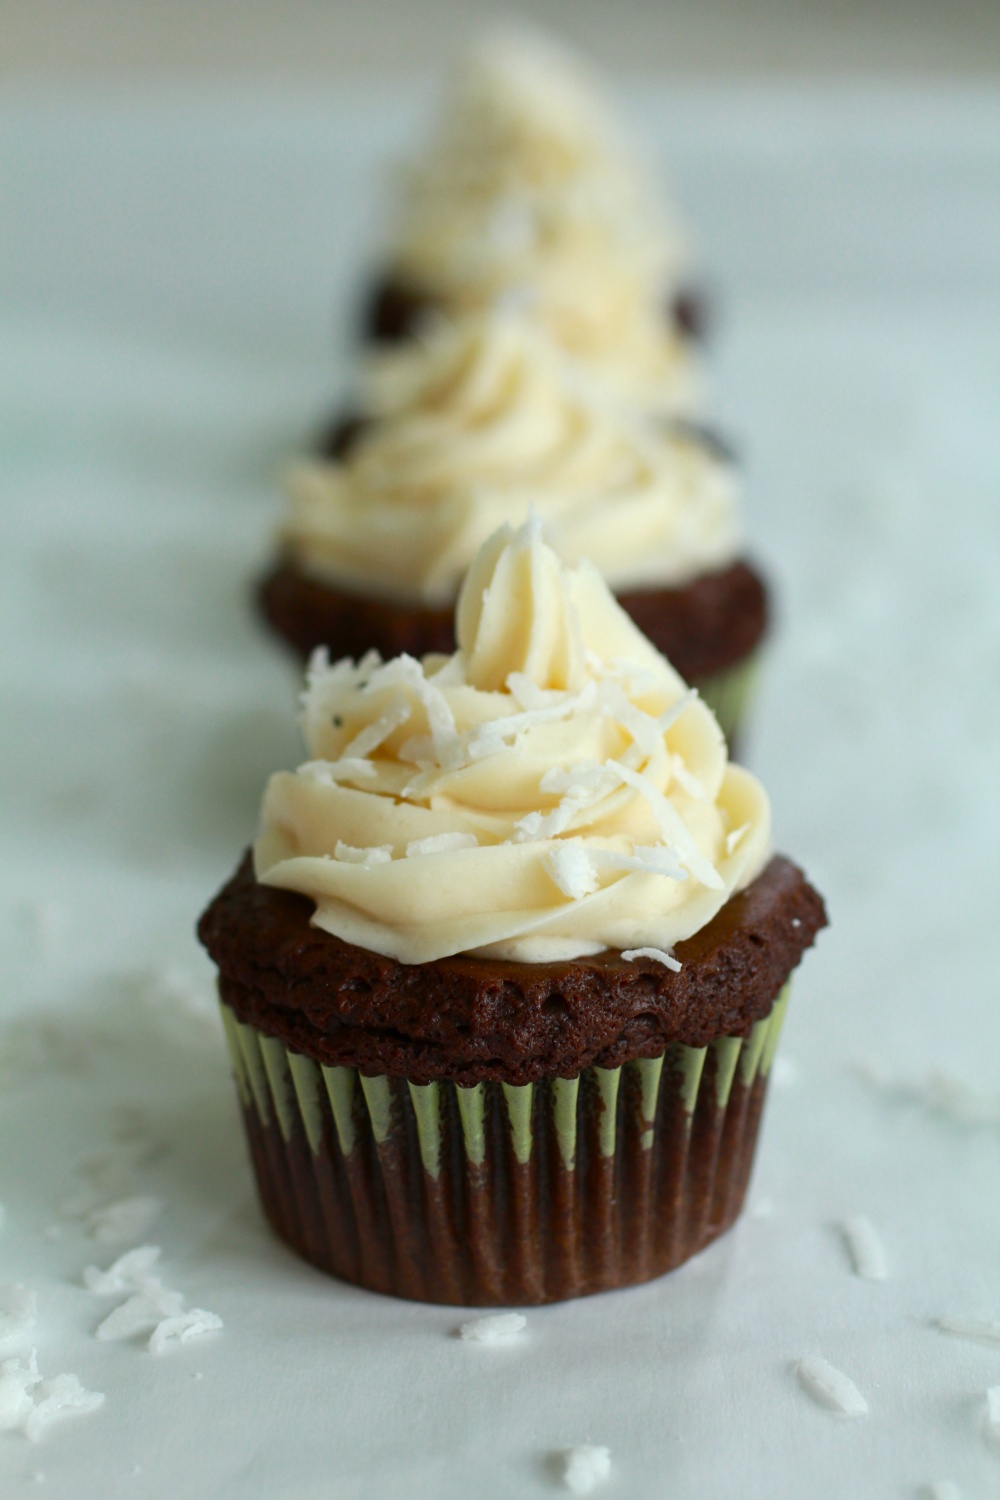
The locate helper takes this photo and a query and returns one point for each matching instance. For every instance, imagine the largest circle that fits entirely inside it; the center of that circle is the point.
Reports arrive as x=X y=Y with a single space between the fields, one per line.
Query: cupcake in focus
x=529 y=185
x=478 y=423
x=505 y=972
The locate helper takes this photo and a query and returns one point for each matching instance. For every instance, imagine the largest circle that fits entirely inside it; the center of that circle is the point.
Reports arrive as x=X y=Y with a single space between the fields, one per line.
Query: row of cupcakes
x=540 y=365
x=505 y=969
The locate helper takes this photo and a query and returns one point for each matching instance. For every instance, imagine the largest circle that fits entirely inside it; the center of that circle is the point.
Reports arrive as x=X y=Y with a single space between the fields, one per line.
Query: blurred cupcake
x=528 y=184
x=504 y=975
x=477 y=424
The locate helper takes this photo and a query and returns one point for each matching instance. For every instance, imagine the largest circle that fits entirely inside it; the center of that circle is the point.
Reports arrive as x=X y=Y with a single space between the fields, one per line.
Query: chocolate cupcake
x=504 y=976
x=474 y=426
x=528 y=185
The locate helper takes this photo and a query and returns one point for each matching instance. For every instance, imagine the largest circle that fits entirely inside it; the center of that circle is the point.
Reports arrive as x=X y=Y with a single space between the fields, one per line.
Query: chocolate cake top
x=469 y=1019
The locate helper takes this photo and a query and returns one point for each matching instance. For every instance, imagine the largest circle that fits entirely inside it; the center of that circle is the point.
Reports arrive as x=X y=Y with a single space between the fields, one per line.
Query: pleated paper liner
x=496 y=1194
x=729 y=694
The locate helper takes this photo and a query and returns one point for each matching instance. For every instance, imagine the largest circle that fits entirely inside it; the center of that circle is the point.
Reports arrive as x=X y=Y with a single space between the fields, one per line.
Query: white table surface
x=172 y=263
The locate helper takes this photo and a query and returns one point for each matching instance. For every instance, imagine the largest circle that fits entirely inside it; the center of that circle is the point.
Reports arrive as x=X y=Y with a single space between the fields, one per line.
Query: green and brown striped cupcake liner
x=503 y=1195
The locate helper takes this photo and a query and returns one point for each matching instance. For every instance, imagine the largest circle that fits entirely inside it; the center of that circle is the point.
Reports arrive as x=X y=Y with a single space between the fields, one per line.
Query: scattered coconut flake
x=18 y=1378
x=985 y=1331
x=183 y=1328
x=645 y=859
x=375 y=734
x=406 y=672
x=572 y=870
x=943 y=1489
x=441 y=843
x=784 y=1072
x=734 y=839
x=485 y=745
x=497 y=1328
x=329 y=772
x=761 y=1208
x=140 y=1313
x=991 y=1416
x=128 y=1219
x=865 y=1249
x=61 y=1396
x=829 y=1387
x=418 y=750
x=18 y=1315
x=695 y=789
x=585 y=1467
x=376 y=854
x=128 y=1273
x=939 y=1093
x=671 y=824
x=660 y=955
x=528 y=695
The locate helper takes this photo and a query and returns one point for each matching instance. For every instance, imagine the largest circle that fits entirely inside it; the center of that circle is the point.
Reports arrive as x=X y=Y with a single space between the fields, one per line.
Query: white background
x=174 y=264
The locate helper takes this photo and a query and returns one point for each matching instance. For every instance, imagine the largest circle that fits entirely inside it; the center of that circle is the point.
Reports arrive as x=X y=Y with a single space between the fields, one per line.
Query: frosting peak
x=551 y=790
x=529 y=183
x=515 y=615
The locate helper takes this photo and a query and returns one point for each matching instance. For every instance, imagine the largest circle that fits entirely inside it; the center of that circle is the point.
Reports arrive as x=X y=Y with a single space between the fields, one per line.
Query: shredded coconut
x=18 y=1315
x=376 y=733
x=762 y=1208
x=406 y=672
x=128 y=1273
x=18 y=1378
x=330 y=771
x=991 y=1416
x=659 y=954
x=943 y=1489
x=784 y=1072
x=694 y=789
x=939 y=1093
x=645 y=859
x=61 y=1396
x=183 y=1328
x=497 y=1328
x=829 y=1387
x=128 y=1219
x=983 y=1330
x=865 y=1249
x=672 y=825
x=378 y=854
x=585 y=1467
x=734 y=839
x=441 y=843
x=140 y=1313
x=572 y=870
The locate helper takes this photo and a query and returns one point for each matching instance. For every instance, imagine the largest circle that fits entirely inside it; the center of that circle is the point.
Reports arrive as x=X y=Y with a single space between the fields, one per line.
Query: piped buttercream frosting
x=477 y=424
x=551 y=790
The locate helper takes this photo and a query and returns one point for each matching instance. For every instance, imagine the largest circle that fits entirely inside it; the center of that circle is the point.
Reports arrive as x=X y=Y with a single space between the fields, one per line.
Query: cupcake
x=528 y=184
x=504 y=974
x=480 y=422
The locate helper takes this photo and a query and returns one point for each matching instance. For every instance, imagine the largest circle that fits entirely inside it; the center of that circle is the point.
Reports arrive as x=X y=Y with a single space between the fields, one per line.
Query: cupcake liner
x=497 y=1194
x=729 y=694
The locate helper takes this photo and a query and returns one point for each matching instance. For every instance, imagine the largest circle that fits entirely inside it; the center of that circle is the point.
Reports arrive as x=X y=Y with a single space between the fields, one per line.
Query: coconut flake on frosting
x=476 y=426
x=574 y=835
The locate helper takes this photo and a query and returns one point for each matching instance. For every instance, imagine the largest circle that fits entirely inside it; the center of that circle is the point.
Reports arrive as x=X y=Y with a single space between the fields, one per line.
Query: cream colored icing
x=478 y=424
x=550 y=791
x=529 y=184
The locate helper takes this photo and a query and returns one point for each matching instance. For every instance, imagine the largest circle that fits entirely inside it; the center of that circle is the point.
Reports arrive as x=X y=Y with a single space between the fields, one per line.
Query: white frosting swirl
x=528 y=185
x=551 y=790
x=481 y=423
